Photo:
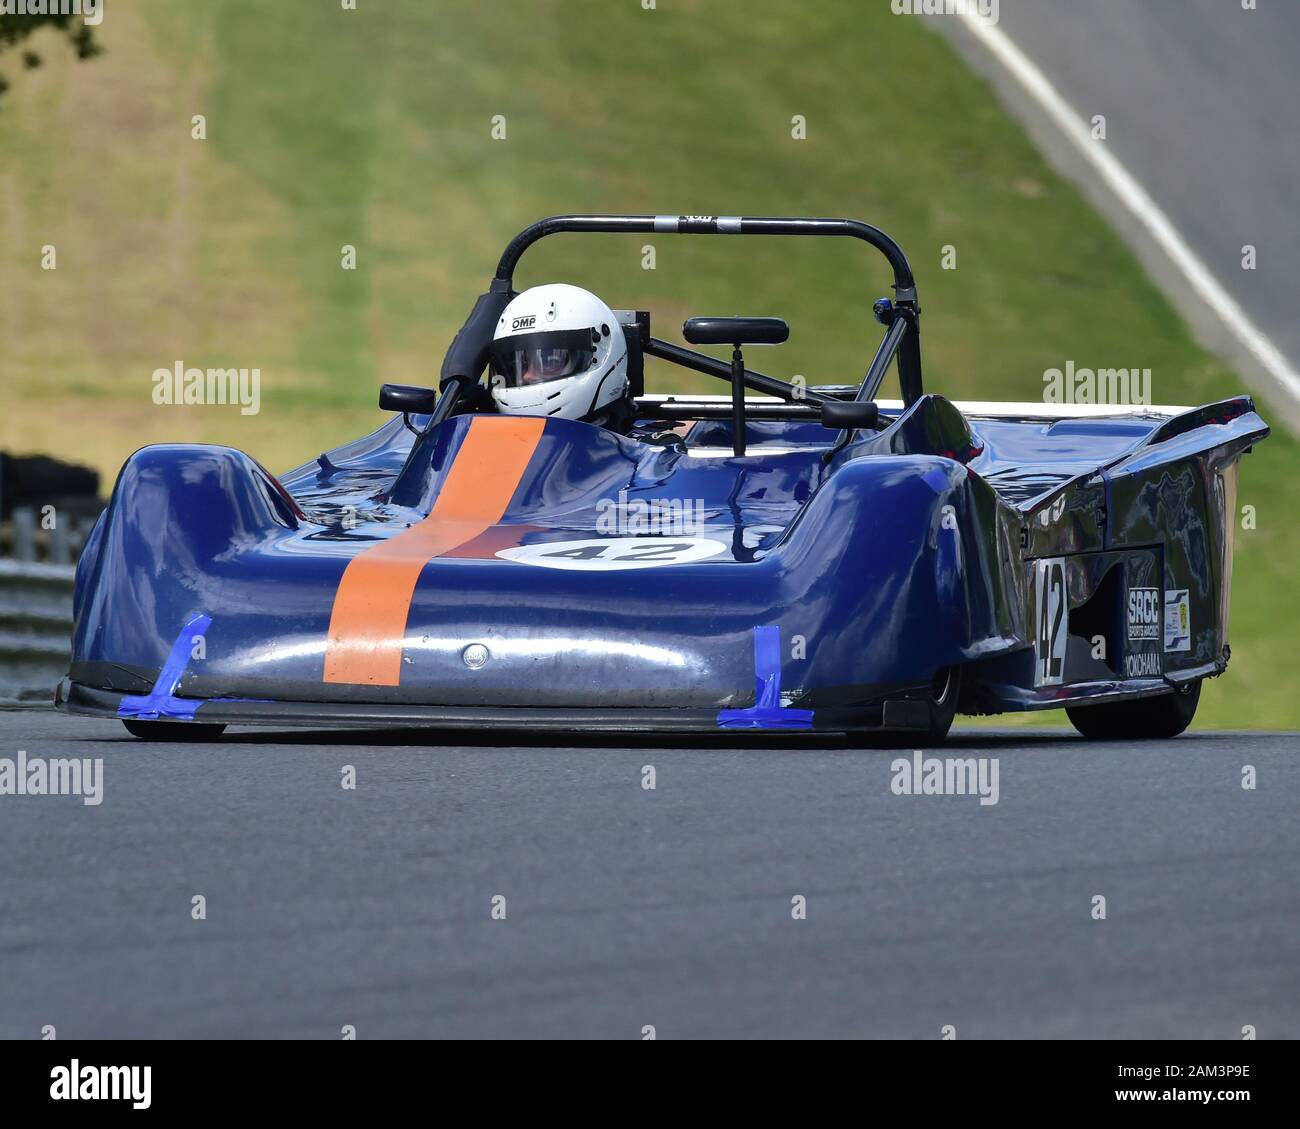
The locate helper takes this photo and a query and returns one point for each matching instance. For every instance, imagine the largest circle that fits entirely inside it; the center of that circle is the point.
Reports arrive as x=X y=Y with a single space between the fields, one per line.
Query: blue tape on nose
x=160 y=701
x=767 y=711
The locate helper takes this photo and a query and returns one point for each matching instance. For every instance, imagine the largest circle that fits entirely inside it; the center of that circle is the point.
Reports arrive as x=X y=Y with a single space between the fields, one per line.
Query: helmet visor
x=536 y=358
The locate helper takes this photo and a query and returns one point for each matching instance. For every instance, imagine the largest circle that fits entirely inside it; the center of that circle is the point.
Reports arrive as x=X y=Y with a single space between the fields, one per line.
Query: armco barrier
x=35 y=629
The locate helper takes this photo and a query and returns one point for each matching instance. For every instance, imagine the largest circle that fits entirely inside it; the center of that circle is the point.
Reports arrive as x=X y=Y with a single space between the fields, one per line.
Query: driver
x=558 y=350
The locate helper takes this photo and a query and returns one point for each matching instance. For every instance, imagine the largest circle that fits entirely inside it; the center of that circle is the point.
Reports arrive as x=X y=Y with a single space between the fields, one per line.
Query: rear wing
x=1029 y=409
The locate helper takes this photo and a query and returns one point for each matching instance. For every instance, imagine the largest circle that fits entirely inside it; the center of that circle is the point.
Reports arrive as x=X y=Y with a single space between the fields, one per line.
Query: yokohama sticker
x=1144 y=664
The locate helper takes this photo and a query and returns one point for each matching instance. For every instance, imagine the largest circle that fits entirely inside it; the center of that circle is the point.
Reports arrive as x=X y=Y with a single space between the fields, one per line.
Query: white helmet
x=558 y=350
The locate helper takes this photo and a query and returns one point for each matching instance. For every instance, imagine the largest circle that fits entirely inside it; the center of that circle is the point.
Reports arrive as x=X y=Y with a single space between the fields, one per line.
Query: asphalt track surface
x=1200 y=99
x=627 y=907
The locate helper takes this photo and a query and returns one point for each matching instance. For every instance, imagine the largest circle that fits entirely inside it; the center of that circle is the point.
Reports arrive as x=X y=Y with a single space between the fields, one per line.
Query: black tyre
x=941 y=704
x=944 y=692
x=172 y=730
x=1141 y=719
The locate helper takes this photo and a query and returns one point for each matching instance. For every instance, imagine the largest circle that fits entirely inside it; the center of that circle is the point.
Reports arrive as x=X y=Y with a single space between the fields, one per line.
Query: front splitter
x=79 y=699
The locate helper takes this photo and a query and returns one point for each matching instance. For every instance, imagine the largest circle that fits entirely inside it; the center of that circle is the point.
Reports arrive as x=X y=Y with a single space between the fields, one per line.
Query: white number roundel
x=610 y=554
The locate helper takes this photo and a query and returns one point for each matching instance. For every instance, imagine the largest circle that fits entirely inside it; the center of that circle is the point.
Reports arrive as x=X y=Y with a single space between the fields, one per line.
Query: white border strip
x=1138 y=201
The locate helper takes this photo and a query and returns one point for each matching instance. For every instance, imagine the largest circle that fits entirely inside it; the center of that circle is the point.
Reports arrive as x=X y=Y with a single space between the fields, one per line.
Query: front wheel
x=1140 y=719
x=945 y=689
x=941 y=707
x=172 y=730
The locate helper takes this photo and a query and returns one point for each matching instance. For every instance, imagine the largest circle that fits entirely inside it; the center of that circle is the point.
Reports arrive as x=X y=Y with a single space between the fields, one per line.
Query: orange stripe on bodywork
x=368 y=624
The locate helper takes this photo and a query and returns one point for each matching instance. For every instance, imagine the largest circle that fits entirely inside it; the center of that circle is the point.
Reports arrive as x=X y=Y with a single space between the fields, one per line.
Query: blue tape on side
x=767 y=711
x=160 y=702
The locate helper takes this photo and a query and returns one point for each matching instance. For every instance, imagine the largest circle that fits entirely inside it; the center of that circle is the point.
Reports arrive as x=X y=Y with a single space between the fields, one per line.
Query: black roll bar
x=689 y=409
x=894 y=337
x=898 y=333
x=711 y=366
x=904 y=283
x=464 y=362
x=905 y=305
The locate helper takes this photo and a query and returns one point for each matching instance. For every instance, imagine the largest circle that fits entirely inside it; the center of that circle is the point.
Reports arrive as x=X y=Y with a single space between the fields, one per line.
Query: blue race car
x=554 y=549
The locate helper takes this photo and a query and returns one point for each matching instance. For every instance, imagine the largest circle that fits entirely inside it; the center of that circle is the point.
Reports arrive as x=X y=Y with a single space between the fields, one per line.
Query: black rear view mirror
x=407 y=399
x=850 y=414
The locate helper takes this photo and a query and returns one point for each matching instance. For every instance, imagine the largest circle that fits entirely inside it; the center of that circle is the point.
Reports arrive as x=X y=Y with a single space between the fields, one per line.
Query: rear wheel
x=172 y=730
x=1141 y=719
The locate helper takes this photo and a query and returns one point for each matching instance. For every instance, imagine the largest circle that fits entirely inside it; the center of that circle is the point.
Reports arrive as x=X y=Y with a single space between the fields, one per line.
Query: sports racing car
x=796 y=558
